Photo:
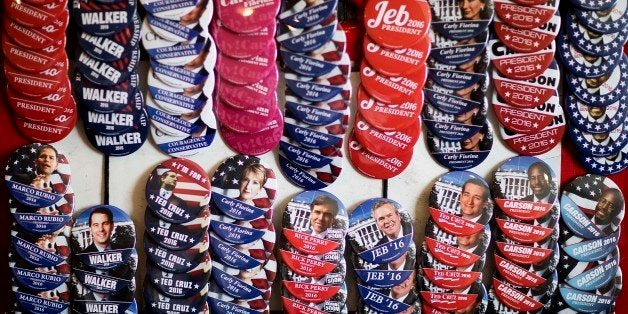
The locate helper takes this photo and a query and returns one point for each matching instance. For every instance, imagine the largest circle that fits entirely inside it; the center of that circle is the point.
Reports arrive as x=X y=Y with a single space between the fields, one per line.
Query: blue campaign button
x=112 y=47
x=101 y=283
x=36 y=255
x=299 y=176
x=381 y=302
x=105 y=99
x=585 y=302
x=177 y=75
x=452 y=52
x=176 y=236
x=597 y=5
x=36 y=304
x=450 y=103
x=577 y=222
x=41 y=220
x=107 y=73
x=311 y=138
x=305 y=65
x=235 y=234
x=183 y=146
x=306 y=40
x=605 y=165
x=233 y=286
x=175 y=100
x=302 y=15
x=103 y=19
x=107 y=259
x=603 y=21
x=156 y=302
x=177 y=261
x=462 y=29
x=118 y=122
x=111 y=307
x=173 y=53
x=223 y=307
x=172 y=30
x=456 y=80
x=591 y=42
x=461 y=155
x=311 y=91
x=171 y=124
x=303 y=157
x=30 y=196
x=313 y=115
x=601 y=90
x=172 y=9
x=122 y=144
x=236 y=209
x=600 y=145
x=596 y=277
x=453 y=127
x=181 y=285
x=37 y=280
x=230 y=256
x=596 y=119
x=387 y=252
x=383 y=278
x=593 y=250
x=584 y=65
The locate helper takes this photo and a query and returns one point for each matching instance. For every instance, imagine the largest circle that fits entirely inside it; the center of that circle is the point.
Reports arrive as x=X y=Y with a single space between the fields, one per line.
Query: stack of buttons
x=456 y=238
x=104 y=262
x=592 y=208
x=106 y=81
x=245 y=102
x=180 y=79
x=242 y=236
x=176 y=240
x=525 y=75
x=318 y=92
x=41 y=203
x=526 y=232
x=590 y=47
x=459 y=136
x=36 y=68
x=390 y=97
x=380 y=233
x=314 y=228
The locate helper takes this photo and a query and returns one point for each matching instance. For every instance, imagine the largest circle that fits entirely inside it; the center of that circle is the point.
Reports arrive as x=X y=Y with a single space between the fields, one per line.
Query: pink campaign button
x=246 y=121
x=250 y=70
x=246 y=16
x=255 y=143
x=242 y=45
x=248 y=96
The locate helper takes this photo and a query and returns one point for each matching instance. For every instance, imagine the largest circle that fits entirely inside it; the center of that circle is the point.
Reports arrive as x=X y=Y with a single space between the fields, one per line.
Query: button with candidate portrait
x=388 y=117
x=245 y=284
x=411 y=20
x=523 y=16
x=248 y=96
x=100 y=281
x=505 y=297
x=177 y=190
x=519 y=65
x=392 y=90
x=55 y=300
x=461 y=203
x=527 y=93
x=315 y=222
x=121 y=144
x=453 y=127
x=112 y=47
x=464 y=154
x=601 y=90
x=103 y=19
x=313 y=298
x=105 y=99
x=178 y=261
x=386 y=143
x=530 y=40
x=156 y=302
x=258 y=143
x=598 y=5
x=309 y=39
x=455 y=52
x=41 y=250
x=380 y=230
x=525 y=120
x=249 y=257
x=309 y=179
x=118 y=122
x=591 y=42
x=177 y=236
x=605 y=165
x=589 y=250
x=37 y=175
x=569 y=299
x=595 y=119
x=335 y=277
x=589 y=276
x=178 y=285
x=540 y=142
x=436 y=295
x=37 y=37
x=38 y=278
x=304 y=14
x=582 y=64
x=43 y=220
x=611 y=20
x=396 y=62
x=386 y=275
x=458 y=251
x=462 y=20
x=374 y=166
x=394 y=300
x=457 y=101
x=242 y=45
x=600 y=144
x=243 y=17
x=34 y=15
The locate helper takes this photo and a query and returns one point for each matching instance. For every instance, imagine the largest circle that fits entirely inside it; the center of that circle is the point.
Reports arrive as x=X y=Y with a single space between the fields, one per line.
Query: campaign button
x=314 y=298
x=248 y=120
x=582 y=301
x=247 y=285
x=47 y=250
x=37 y=37
x=527 y=121
x=392 y=90
x=429 y=261
x=591 y=250
x=304 y=15
x=107 y=73
x=46 y=219
x=250 y=70
x=592 y=42
x=597 y=277
x=115 y=123
x=105 y=99
x=397 y=24
x=601 y=90
x=523 y=254
x=476 y=288
x=455 y=52
x=517 y=65
x=102 y=282
x=464 y=154
x=245 y=17
x=600 y=144
x=374 y=166
x=381 y=302
x=585 y=65
x=448 y=101
x=597 y=5
x=115 y=307
x=100 y=223
x=313 y=114
x=174 y=53
x=387 y=275
x=174 y=10
x=39 y=84
x=540 y=142
x=335 y=277
x=332 y=50
x=51 y=301
x=29 y=60
x=179 y=100
x=527 y=40
x=396 y=62
x=308 y=158
x=525 y=17
x=122 y=144
x=237 y=258
x=338 y=75
x=156 y=302
x=176 y=31
x=310 y=39
x=477 y=65
x=309 y=180
x=518 y=275
x=453 y=127
x=523 y=232
x=449 y=302
x=178 y=261
x=50 y=131
x=605 y=165
x=386 y=144
x=308 y=65
x=220 y=306
x=235 y=233
x=455 y=80
x=36 y=279
x=451 y=279
x=242 y=45
x=505 y=295
x=595 y=119
x=248 y=96
x=612 y=20
x=257 y=143
x=177 y=236
x=112 y=47
x=311 y=89
x=103 y=19
x=33 y=15
x=475 y=243
x=313 y=137
x=184 y=146
x=462 y=21
x=388 y=117
x=180 y=285
x=529 y=93
x=174 y=125
x=42 y=108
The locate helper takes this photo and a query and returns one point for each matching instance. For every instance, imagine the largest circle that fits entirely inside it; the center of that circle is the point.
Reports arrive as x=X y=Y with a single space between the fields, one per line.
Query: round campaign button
x=520 y=275
x=524 y=254
x=455 y=80
x=313 y=64
x=523 y=232
x=50 y=131
x=317 y=89
x=396 y=62
x=250 y=70
x=104 y=283
x=388 y=117
x=374 y=166
x=478 y=65
x=177 y=191
x=38 y=278
x=54 y=104
x=449 y=279
x=394 y=230
x=473 y=298
x=468 y=101
x=242 y=45
x=505 y=297
x=462 y=155
x=111 y=47
x=102 y=235
x=181 y=285
x=541 y=142
x=582 y=64
x=611 y=20
x=38 y=175
x=519 y=65
x=174 y=10
x=105 y=99
x=245 y=284
x=29 y=60
x=180 y=125
x=597 y=5
x=529 y=93
x=589 y=275
x=318 y=114
x=85 y=302
x=310 y=39
x=238 y=232
x=523 y=16
x=37 y=37
x=40 y=85
x=527 y=121
x=592 y=42
x=255 y=143
x=179 y=99
x=247 y=258
x=462 y=22
x=568 y=299
x=125 y=269
x=121 y=144
x=41 y=250
x=33 y=15
x=248 y=96
x=244 y=17
x=46 y=219
x=600 y=144
x=300 y=14
x=156 y=302
x=527 y=40
x=397 y=24
x=387 y=275
x=473 y=208
x=386 y=143
x=595 y=119
x=177 y=236
x=379 y=301
x=178 y=261
x=309 y=179
x=246 y=121
x=455 y=52
x=392 y=90
x=311 y=159
x=318 y=298
x=55 y=300
x=305 y=265
x=602 y=90
x=592 y=206
x=103 y=19
x=176 y=53
x=188 y=145
x=180 y=31
x=605 y=165
x=335 y=277
x=458 y=251
x=115 y=123
x=107 y=73
x=453 y=127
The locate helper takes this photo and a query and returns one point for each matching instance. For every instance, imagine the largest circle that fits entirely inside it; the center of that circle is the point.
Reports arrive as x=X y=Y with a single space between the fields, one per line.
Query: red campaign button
x=449 y=302
x=524 y=210
x=242 y=45
x=392 y=90
x=523 y=254
x=529 y=93
x=249 y=96
x=309 y=292
x=374 y=166
x=538 y=143
x=39 y=2
x=34 y=15
x=520 y=66
x=47 y=132
x=255 y=143
x=386 y=143
x=522 y=16
x=451 y=279
x=523 y=232
x=245 y=121
x=527 y=40
x=31 y=60
x=308 y=243
x=454 y=224
x=41 y=108
x=246 y=16
x=513 y=298
x=37 y=84
x=527 y=121
x=396 y=62
x=397 y=23
x=388 y=117
x=37 y=37
x=306 y=266
x=292 y=306
x=450 y=255
x=250 y=70
x=530 y=2
x=516 y=274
